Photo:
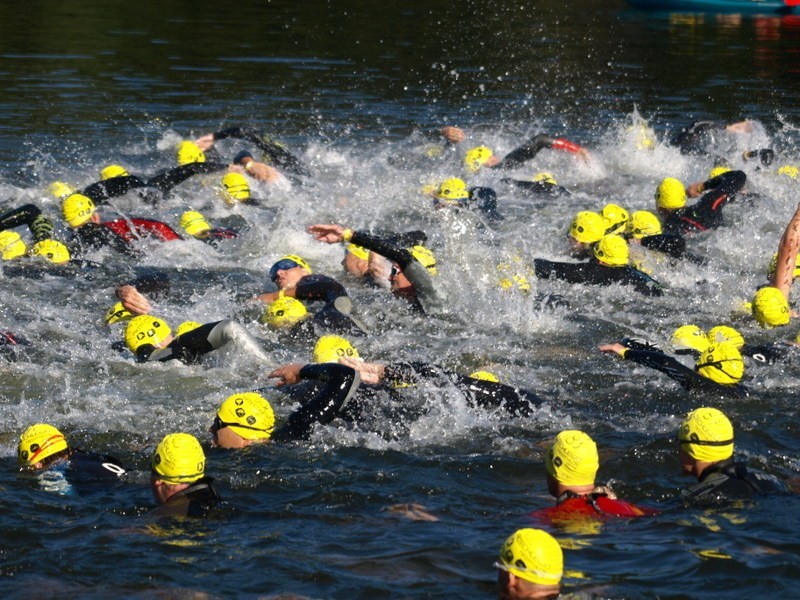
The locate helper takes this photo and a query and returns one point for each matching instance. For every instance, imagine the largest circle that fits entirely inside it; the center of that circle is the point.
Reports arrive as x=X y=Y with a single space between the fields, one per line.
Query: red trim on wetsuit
x=565 y=145
x=596 y=506
x=693 y=223
x=142 y=228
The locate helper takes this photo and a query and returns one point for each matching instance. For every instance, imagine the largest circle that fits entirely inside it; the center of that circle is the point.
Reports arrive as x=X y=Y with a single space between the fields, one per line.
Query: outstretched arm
x=789 y=245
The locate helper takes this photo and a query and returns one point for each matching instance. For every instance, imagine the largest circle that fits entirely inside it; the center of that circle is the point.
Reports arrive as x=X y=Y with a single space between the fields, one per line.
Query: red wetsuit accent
x=566 y=146
x=142 y=228
x=593 y=506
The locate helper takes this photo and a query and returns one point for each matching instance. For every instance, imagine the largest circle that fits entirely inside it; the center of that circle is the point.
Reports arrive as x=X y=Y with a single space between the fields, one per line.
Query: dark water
x=351 y=87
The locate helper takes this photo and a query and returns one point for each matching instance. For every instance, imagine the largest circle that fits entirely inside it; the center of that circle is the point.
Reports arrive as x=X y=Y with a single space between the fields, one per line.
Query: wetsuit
x=483 y=199
x=10 y=345
x=728 y=480
x=769 y=354
x=706 y=213
x=531 y=148
x=196 y=501
x=593 y=273
x=697 y=137
x=31 y=216
x=537 y=188
x=689 y=379
x=274 y=152
x=152 y=190
x=192 y=345
x=426 y=298
x=79 y=471
x=570 y=505
x=334 y=316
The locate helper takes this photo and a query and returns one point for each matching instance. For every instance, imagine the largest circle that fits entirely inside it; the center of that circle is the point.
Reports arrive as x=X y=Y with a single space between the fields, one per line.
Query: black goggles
x=707 y=442
x=717 y=364
x=282 y=265
x=220 y=424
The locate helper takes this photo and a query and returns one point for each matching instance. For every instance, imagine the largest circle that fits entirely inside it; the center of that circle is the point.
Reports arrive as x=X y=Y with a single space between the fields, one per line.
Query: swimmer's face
x=399 y=282
x=225 y=437
x=288 y=278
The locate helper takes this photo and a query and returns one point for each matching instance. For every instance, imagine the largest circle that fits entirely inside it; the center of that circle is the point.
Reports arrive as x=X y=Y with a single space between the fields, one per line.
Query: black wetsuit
x=593 y=273
x=31 y=216
x=195 y=501
x=697 y=137
x=537 y=188
x=531 y=148
x=483 y=199
x=80 y=472
x=769 y=354
x=333 y=317
x=273 y=152
x=706 y=213
x=152 y=190
x=11 y=344
x=192 y=345
x=689 y=379
x=729 y=480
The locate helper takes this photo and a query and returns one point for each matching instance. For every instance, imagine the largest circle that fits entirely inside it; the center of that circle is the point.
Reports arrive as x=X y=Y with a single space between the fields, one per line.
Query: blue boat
x=771 y=7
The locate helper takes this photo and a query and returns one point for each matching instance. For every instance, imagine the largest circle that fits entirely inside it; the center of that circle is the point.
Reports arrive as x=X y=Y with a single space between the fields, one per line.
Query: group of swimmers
x=340 y=384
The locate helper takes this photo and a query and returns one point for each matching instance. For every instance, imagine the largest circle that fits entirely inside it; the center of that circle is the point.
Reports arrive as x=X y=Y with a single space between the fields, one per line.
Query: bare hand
x=584 y=155
x=740 y=127
x=371 y=373
x=616 y=348
x=205 y=142
x=330 y=234
x=452 y=134
x=133 y=300
x=695 y=189
x=263 y=172
x=287 y=374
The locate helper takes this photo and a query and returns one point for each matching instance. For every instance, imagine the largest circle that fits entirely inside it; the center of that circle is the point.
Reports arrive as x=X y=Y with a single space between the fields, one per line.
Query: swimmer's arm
x=789 y=245
x=615 y=348
x=133 y=300
x=270 y=297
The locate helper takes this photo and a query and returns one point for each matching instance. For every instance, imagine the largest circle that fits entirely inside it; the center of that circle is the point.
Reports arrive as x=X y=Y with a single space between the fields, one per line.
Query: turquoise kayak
x=786 y=7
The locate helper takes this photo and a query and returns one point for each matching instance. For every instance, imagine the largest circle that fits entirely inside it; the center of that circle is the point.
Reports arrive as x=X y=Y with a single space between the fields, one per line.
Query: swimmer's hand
x=205 y=142
x=615 y=348
x=330 y=234
x=452 y=134
x=371 y=373
x=133 y=300
x=287 y=374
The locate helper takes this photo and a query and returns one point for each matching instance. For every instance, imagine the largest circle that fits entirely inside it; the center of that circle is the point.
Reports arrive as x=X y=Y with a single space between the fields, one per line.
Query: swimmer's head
x=189 y=152
x=717 y=171
x=77 y=209
x=706 y=434
x=284 y=313
x=112 y=171
x=545 y=177
x=248 y=414
x=235 y=188
x=532 y=555
x=770 y=307
x=689 y=339
x=670 y=194
x=177 y=459
x=194 y=223
x=643 y=223
x=452 y=189
x=425 y=257
x=60 y=190
x=146 y=329
x=51 y=250
x=612 y=250
x=572 y=459
x=117 y=314
x=186 y=327
x=587 y=227
x=725 y=333
x=484 y=376
x=38 y=443
x=330 y=348
x=721 y=362
x=477 y=157
x=616 y=218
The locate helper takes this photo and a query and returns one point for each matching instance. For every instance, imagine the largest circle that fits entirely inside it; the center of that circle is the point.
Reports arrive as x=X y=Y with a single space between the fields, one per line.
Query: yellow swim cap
x=573 y=459
x=689 y=337
x=357 y=251
x=612 y=250
x=235 y=188
x=189 y=152
x=77 y=209
x=587 y=227
x=452 y=189
x=249 y=415
x=284 y=312
x=706 y=434
x=724 y=333
x=53 y=250
x=330 y=348
x=770 y=307
x=425 y=257
x=477 y=157
x=533 y=555
x=721 y=362
x=645 y=137
x=616 y=218
x=146 y=329
x=643 y=223
x=39 y=442
x=717 y=171
x=194 y=223
x=117 y=314
x=789 y=171
x=112 y=171
x=11 y=245
x=179 y=458
x=545 y=177
x=670 y=194
x=60 y=190
x=186 y=327
x=485 y=376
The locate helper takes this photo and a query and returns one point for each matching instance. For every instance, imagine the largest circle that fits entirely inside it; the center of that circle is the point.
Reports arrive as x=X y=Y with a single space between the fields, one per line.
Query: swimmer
x=530 y=565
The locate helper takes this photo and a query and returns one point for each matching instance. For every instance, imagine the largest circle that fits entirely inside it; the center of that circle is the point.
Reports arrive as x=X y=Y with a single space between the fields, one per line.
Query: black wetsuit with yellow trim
x=594 y=273
x=706 y=213
x=688 y=378
x=31 y=216
x=729 y=480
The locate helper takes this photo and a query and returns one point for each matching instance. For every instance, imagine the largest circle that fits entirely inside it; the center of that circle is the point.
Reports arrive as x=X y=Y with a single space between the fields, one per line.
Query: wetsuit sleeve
x=339 y=385
x=695 y=138
x=97 y=235
x=30 y=215
x=276 y=153
x=670 y=244
x=101 y=191
x=193 y=344
x=766 y=353
x=537 y=188
x=531 y=148
x=167 y=180
x=595 y=274
x=491 y=394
